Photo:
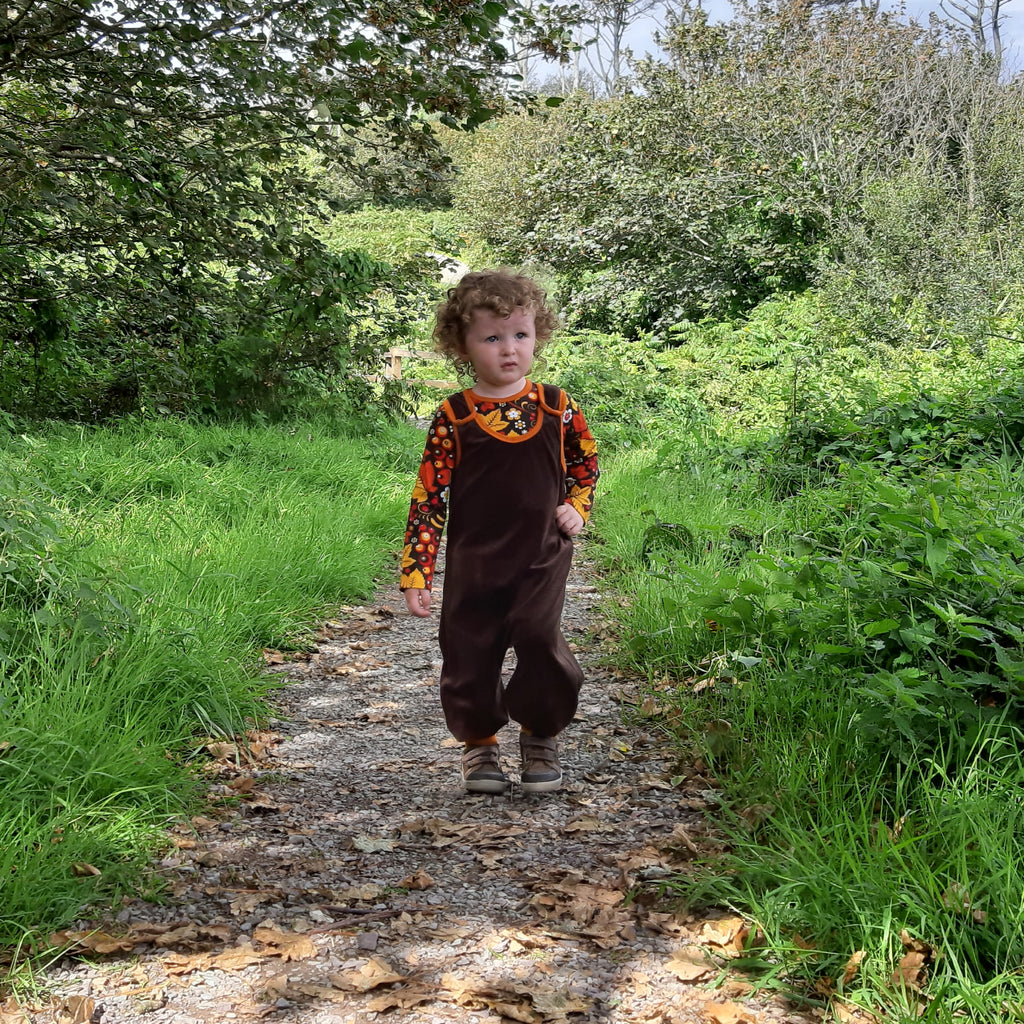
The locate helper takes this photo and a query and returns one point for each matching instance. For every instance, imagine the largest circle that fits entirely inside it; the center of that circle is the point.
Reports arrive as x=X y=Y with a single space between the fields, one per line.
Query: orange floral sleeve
x=429 y=508
x=580 y=461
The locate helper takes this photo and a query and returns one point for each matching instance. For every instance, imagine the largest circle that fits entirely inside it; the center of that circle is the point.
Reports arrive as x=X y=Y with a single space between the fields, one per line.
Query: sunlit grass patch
x=838 y=646
x=147 y=567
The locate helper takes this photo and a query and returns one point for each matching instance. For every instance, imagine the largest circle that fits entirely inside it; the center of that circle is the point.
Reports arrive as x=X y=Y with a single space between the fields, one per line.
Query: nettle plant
x=907 y=596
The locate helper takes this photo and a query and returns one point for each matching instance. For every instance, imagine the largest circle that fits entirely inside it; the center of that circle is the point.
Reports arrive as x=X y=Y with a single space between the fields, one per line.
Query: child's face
x=501 y=350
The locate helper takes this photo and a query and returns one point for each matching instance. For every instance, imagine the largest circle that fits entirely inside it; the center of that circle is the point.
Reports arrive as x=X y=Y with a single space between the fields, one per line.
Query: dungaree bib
x=505 y=572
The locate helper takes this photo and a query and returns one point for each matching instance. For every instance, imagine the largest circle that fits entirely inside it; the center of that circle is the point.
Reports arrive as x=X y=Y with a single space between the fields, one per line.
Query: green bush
x=624 y=387
x=829 y=614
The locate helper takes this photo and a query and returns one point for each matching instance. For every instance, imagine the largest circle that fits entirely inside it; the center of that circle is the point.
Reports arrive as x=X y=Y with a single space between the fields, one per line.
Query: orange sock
x=487 y=741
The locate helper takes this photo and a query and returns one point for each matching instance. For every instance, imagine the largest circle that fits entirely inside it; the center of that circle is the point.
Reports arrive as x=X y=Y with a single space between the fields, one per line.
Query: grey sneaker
x=481 y=770
x=541 y=771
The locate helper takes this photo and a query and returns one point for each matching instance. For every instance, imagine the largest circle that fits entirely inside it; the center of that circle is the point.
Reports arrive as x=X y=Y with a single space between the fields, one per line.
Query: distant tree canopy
x=750 y=159
x=150 y=174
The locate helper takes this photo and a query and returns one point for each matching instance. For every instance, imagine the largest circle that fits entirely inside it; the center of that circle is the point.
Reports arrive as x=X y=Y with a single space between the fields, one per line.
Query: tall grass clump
x=830 y=613
x=145 y=567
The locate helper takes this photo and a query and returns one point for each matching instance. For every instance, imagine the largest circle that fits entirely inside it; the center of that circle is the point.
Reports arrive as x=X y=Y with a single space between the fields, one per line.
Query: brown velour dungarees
x=505 y=572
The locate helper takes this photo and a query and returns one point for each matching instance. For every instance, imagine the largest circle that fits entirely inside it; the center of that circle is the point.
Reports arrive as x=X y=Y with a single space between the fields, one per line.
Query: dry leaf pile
x=339 y=873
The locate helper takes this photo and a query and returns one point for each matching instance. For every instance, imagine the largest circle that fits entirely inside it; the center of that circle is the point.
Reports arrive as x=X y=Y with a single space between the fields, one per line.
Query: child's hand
x=569 y=521
x=418 y=602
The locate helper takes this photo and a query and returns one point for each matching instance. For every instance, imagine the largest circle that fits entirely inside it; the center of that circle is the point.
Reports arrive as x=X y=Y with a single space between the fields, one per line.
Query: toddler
x=510 y=466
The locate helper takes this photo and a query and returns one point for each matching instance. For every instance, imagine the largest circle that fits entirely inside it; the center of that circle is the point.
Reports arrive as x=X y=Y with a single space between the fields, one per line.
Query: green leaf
x=879 y=626
x=936 y=552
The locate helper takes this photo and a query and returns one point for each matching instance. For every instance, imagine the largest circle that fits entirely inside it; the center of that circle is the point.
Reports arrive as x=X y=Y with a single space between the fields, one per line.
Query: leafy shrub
x=908 y=596
x=626 y=392
x=218 y=341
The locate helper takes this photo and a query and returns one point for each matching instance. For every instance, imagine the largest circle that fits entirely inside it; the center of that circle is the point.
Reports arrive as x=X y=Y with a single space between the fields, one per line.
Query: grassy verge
x=145 y=566
x=829 y=612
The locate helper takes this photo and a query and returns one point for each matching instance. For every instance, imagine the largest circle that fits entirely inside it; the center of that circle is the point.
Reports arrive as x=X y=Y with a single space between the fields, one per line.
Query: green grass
x=839 y=641
x=145 y=566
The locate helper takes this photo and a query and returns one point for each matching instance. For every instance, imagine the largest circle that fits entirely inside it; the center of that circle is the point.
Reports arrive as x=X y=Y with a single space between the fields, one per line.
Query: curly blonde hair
x=502 y=292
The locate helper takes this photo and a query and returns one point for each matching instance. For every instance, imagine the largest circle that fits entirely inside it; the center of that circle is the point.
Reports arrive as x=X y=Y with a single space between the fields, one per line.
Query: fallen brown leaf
x=851 y=968
x=728 y=1013
x=824 y=987
x=852 y=1014
x=261 y=802
x=11 y=1013
x=727 y=933
x=97 y=941
x=224 y=749
x=530 y=1003
x=77 y=1009
x=287 y=945
x=374 y=973
x=491 y=858
x=281 y=986
x=247 y=902
x=401 y=998
x=176 y=964
x=554 y=1003
x=183 y=935
x=690 y=965
x=912 y=970
x=737 y=989
x=584 y=823
x=419 y=880
x=237 y=958
x=681 y=836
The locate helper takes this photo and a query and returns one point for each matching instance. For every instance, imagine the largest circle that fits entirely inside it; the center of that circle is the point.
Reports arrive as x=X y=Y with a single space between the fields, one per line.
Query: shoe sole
x=546 y=786
x=485 y=785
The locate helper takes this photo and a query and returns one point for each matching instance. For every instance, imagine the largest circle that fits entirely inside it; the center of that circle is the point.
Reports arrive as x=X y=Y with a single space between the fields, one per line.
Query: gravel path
x=341 y=873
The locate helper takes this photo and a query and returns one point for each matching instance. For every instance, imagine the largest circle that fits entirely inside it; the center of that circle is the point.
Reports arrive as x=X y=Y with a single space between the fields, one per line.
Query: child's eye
x=520 y=335
x=493 y=337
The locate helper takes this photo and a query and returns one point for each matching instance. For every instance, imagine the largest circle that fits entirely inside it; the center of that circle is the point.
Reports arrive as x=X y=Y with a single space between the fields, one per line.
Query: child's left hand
x=569 y=521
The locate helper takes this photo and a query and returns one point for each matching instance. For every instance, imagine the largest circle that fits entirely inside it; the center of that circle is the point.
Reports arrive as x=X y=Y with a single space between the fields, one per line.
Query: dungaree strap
x=554 y=400
x=459 y=409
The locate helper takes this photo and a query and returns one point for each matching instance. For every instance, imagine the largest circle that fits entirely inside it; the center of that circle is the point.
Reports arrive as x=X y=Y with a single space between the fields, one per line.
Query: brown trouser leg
x=544 y=689
x=476 y=631
x=473 y=647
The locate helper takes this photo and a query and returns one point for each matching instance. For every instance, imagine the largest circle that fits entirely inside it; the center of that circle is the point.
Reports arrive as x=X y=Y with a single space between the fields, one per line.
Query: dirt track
x=342 y=874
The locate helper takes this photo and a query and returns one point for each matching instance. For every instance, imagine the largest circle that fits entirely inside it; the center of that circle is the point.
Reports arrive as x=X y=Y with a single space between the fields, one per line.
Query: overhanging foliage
x=148 y=155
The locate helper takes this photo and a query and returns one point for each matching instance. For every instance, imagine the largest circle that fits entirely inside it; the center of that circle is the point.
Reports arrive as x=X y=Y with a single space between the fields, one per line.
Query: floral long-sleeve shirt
x=509 y=417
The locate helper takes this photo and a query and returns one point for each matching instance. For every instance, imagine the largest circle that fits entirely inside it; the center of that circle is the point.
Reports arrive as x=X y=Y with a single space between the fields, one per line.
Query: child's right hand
x=418 y=602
